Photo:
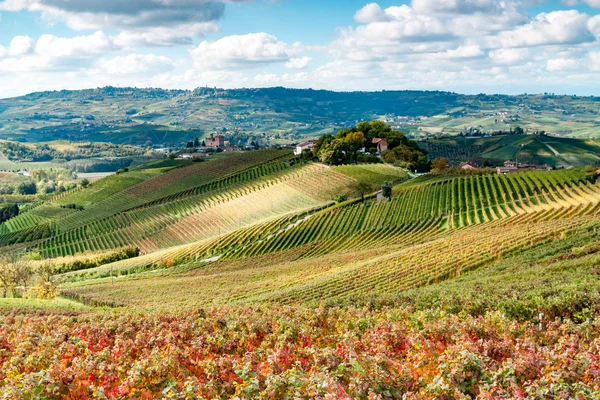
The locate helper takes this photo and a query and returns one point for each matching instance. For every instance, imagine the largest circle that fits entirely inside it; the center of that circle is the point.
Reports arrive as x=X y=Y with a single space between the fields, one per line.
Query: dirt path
x=552 y=149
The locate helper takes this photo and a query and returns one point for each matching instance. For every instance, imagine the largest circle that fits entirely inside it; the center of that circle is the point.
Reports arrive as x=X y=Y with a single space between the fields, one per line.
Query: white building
x=300 y=147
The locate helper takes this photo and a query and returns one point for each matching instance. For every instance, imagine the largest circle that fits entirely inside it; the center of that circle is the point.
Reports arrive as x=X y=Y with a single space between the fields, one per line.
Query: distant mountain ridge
x=280 y=115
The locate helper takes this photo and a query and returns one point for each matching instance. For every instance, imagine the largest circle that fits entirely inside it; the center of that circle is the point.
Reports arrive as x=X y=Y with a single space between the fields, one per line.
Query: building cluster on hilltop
x=509 y=167
x=213 y=143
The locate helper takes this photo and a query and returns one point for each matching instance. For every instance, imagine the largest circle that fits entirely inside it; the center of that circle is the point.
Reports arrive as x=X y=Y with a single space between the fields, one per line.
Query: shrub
x=340 y=198
x=27 y=188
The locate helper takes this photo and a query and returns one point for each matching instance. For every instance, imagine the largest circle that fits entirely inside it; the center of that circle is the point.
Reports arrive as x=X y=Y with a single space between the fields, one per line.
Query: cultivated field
x=249 y=280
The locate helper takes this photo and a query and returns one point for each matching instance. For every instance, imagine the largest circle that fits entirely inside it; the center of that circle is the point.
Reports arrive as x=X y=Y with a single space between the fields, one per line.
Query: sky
x=465 y=46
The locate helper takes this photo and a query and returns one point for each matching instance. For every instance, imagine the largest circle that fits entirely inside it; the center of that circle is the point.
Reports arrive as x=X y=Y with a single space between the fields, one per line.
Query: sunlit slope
x=359 y=249
x=67 y=214
x=205 y=215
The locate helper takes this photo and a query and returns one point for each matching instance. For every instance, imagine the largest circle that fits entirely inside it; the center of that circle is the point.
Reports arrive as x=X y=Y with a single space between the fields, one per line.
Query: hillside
x=528 y=149
x=213 y=222
x=241 y=276
x=279 y=115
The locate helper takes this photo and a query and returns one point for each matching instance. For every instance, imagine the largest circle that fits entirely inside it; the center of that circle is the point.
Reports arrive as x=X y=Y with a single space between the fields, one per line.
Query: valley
x=262 y=273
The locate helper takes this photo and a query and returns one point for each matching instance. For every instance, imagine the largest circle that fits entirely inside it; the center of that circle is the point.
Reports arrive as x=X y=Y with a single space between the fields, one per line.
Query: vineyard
x=243 y=277
x=353 y=249
x=285 y=352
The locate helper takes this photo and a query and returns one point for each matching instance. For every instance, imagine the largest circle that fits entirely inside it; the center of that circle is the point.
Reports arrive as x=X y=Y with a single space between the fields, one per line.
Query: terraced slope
x=112 y=196
x=428 y=233
x=195 y=217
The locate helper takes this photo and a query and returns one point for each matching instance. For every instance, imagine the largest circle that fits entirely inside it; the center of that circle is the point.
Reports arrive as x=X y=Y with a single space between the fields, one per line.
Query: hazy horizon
x=315 y=89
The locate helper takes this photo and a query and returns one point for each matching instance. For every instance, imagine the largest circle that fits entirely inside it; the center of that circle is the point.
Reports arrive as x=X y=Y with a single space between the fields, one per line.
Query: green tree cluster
x=345 y=145
x=7 y=211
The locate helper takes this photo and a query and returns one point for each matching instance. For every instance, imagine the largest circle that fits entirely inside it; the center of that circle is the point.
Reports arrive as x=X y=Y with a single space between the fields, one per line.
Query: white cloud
x=562 y=64
x=392 y=34
x=241 y=51
x=164 y=36
x=594 y=61
x=467 y=51
x=136 y=64
x=298 y=63
x=171 y=22
x=455 y=6
x=592 y=3
x=557 y=27
x=20 y=45
x=509 y=56
x=51 y=53
x=594 y=26
x=24 y=64
x=372 y=12
x=79 y=46
x=425 y=44
x=267 y=79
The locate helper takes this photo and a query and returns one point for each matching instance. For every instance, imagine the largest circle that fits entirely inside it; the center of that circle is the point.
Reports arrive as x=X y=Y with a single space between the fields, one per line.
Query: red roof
x=377 y=140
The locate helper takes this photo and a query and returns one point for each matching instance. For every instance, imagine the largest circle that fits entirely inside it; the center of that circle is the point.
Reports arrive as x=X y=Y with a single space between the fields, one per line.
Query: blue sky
x=469 y=46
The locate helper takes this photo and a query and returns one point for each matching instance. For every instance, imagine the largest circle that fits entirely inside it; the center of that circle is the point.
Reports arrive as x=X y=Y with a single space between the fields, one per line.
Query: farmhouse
x=381 y=143
x=300 y=147
x=468 y=165
x=215 y=141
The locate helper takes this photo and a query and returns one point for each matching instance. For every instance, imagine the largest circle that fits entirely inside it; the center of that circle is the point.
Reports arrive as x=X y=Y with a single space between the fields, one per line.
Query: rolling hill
x=251 y=281
x=528 y=149
x=280 y=115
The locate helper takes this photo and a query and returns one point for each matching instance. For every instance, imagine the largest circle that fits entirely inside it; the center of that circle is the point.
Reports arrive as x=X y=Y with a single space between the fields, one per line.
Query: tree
x=307 y=155
x=355 y=141
x=6 y=189
x=335 y=153
x=386 y=190
x=85 y=183
x=406 y=156
x=439 y=164
x=196 y=142
x=8 y=211
x=363 y=188
x=6 y=276
x=14 y=271
x=27 y=188
x=517 y=130
x=46 y=287
x=322 y=143
x=22 y=273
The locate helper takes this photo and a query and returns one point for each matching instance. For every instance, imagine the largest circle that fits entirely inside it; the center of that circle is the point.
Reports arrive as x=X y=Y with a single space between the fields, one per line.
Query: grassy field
x=373 y=174
x=7 y=165
x=12 y=179
x=32 y=305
